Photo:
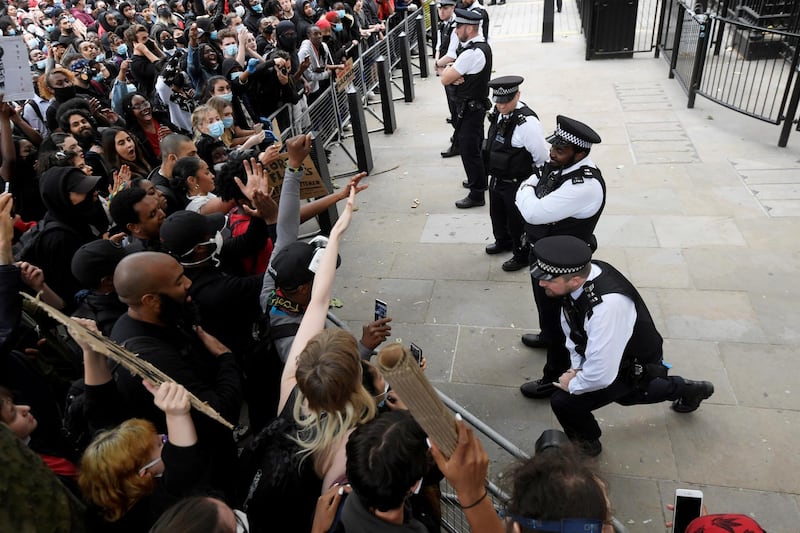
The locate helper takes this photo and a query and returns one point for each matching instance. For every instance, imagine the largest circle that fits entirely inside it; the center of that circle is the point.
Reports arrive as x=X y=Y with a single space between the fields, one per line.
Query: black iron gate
x=747 y=68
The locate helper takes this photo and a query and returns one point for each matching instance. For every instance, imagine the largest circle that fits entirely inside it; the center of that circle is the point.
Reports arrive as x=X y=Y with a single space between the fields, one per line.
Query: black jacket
x=216 y=381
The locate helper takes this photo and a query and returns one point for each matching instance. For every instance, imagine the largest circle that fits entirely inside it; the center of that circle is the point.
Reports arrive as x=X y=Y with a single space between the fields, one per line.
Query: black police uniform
x=446 y=28
x=471 y=98
x=508 y=166
x=641 y=376
x=577 y=133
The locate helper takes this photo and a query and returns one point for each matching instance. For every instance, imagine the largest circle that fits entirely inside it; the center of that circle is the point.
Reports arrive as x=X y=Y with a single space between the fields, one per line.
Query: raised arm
x=314 y=318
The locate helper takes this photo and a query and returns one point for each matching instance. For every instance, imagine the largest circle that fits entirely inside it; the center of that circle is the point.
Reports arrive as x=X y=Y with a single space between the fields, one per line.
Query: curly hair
x=44 y=89
x=555 y=484
x=109 y=473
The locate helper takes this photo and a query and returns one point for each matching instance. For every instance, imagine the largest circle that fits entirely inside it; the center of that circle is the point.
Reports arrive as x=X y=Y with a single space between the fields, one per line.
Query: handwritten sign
x=311 y=185
x=15 y=70
x=345 y=76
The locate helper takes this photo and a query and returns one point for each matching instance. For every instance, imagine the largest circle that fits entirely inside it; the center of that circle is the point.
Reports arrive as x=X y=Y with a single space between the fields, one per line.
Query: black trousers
x=549 y=310
x=508 y=225
x=574 y=411
x=470 y=137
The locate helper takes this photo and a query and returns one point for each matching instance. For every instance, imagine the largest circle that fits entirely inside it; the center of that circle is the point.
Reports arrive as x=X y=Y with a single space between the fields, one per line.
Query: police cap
x=505 y=88
x=571 y=131
x=446 y=3
x=559 y=255
x=465 y=16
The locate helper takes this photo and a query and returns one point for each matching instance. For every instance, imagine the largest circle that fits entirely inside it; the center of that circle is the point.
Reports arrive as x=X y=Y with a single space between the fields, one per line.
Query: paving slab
x=737 y=447
x=752 y=372
x=709 y=315
x=710 y=241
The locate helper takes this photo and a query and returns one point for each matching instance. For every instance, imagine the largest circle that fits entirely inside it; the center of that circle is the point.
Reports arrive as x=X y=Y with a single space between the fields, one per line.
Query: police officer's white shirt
x=529 y=135
x=470 y=61
x=578 y=200
x=608 y=332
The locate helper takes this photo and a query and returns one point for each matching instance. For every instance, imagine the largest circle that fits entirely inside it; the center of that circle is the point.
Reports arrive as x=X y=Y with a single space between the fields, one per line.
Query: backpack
x=277 y=489
x=75 y=426
x=27 y=247
x=262 y=367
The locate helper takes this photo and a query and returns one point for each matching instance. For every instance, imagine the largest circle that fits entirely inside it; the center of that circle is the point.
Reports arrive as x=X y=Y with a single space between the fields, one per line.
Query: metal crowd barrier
x=453 y=519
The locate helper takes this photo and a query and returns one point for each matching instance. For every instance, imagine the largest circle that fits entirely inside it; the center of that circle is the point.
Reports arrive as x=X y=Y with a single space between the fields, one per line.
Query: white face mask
x=242 y=524
x=240 y=10
x=214 y=257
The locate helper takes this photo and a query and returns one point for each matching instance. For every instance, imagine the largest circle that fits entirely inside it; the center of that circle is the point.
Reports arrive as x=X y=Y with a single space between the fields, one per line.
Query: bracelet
x=298 y=169
x=479 y=500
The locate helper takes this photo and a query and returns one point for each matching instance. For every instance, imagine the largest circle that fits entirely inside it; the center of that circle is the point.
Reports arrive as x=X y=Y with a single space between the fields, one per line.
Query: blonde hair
x=329 y=380
x=198 y=117
x=109 y=473
x=219 y=104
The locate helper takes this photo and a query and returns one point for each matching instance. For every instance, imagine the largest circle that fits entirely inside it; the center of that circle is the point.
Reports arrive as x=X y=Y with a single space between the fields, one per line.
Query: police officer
x=567 y=200
x=514 y=149
x=470 y=75
x=615 y=350
x=446 y=52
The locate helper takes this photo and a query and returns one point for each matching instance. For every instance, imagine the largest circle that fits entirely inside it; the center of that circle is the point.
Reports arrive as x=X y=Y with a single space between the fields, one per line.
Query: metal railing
x=743 y=67
x=453 y=519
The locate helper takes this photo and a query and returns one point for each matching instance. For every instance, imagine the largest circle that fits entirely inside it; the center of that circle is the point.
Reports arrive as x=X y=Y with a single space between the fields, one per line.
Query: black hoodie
x=55 y=247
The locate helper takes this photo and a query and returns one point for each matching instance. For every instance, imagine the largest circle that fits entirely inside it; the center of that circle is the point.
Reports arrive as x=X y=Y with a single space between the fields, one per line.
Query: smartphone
x=688 y=504
x=381 y=309
x=416 y=351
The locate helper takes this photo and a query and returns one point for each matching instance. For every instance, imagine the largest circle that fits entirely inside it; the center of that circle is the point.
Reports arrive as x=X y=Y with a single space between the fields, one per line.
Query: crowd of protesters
x=136 y=200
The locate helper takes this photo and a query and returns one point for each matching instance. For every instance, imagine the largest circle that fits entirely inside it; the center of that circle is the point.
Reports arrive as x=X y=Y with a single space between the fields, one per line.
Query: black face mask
x=288 y=42
x=86 y=209
x=63 y=94
x=169 y=44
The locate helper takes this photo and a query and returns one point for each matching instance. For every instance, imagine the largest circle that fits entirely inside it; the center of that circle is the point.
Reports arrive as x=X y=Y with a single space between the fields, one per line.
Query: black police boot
x=469 y=201
x=515 y=263
x=533 y=340
x=694 y=393
x=538 y=389
x=497 y=248
x=451 y=152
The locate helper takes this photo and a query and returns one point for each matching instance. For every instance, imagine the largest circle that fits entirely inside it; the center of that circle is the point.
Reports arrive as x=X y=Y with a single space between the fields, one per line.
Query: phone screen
x=381 y=309
x=416 y=351
x=686 y=510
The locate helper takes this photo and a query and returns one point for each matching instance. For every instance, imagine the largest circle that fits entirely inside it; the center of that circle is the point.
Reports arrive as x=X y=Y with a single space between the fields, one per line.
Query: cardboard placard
x=15 y=70
x=345 y=77
x=311 y=185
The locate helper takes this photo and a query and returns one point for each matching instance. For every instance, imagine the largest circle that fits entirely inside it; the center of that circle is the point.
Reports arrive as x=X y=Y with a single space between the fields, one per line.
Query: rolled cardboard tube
x=402 y=372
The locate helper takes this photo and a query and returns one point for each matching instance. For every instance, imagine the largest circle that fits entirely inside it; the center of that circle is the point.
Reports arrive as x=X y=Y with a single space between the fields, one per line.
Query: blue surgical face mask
x=131 y=88
x=239 y=28
x=240 y=11
x=98 y=77
x=49 y=28
x=122 y=49
x=41 y=65
x=231 y=49
x=213 y=35
x=71 y=20
x=228 y=97
x=338 y=26
x=100 y=58
x=11 y=32
x=257 y=8
x=215 y=129
x=341 y=13
x=235 y=76
x=33 y=43
x=227 y=122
